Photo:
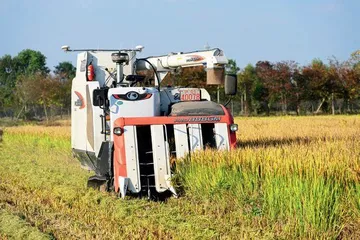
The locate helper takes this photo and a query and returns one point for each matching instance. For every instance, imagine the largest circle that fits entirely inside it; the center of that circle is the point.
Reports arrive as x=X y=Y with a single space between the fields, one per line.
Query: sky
x=247 y=31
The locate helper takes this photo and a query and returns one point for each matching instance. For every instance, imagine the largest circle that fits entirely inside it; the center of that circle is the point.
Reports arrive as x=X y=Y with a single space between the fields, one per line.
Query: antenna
x=138 y=48
x=206 y=46
x=66 y=48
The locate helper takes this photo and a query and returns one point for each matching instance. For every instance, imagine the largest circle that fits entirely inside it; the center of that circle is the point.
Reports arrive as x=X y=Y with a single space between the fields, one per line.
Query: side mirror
x=230 y=84
x=99 y=97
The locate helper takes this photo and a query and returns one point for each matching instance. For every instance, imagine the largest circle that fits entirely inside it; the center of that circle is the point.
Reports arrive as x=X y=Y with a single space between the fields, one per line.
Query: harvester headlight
x=118 y=131
x=234 y=127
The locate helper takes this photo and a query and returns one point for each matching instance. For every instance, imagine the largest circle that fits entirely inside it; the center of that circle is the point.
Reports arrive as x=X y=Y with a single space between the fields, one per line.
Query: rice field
x=291 y=177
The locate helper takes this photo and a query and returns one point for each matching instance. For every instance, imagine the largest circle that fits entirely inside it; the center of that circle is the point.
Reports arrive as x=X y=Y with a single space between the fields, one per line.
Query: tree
x=65 y=70
x=315 y=74
x=64 y=73
x=247 y=79
x=300 y=90
x=324 y=82
x=36 y=89
x=231 y=67
x=48 y=93
x=30 y=62
x=278 y=80
x=7 y=81
x=283 y=83
x=265 y=73
x=349 y=75
x=355 y=58
x=26 y=93
x=351 y=84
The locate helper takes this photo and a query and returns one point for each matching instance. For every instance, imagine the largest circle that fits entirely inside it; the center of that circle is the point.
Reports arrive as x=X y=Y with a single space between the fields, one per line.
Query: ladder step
x=143 y=189
x=146 y=164
x=150 y=175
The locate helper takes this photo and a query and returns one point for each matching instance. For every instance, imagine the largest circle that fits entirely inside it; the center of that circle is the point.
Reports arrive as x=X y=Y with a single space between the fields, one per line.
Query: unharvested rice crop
x=291 y=177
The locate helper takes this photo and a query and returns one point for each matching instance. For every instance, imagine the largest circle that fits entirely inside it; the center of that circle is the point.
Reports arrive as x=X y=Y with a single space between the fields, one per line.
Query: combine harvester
x=127 y=130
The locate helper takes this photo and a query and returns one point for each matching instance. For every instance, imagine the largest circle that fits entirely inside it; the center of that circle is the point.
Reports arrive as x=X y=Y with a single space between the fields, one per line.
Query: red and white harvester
x=129 y=130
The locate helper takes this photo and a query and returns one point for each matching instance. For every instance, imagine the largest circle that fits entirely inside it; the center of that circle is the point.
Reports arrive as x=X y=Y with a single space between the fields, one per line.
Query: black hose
x=153 y=68
x=228 y=101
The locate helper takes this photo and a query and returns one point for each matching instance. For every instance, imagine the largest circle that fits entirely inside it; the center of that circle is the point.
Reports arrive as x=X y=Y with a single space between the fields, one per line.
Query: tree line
x=29 y=90
x=285 y=86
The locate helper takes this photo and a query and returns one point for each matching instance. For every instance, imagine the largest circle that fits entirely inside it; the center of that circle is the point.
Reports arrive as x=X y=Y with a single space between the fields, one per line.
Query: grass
x=14 y=227
x=292 y=177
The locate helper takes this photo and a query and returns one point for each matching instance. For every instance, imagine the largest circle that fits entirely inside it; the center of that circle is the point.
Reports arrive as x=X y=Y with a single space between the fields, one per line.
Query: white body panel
x=93 y=126
x=132 y=159
x=78 y=106
x=181 y=142
x=221 y=136
x=100 y=61
x=210 y=58
x=85 y=119
x=195 y=137
x=78 y=117
x=161 y=157
x=125 y=108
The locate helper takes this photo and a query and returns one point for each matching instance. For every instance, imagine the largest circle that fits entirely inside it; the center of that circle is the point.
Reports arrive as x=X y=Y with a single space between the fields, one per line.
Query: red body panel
x=119 y=156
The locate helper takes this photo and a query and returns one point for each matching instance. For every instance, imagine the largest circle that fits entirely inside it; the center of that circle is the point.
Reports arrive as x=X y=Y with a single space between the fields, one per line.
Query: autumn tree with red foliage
x=278 y=79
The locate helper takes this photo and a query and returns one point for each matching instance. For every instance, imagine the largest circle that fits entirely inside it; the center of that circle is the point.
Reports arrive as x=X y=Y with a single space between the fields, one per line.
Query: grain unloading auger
x=128 y=130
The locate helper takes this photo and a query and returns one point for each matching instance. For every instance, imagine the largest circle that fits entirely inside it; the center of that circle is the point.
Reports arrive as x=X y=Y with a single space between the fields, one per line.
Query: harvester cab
x=128 y=129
